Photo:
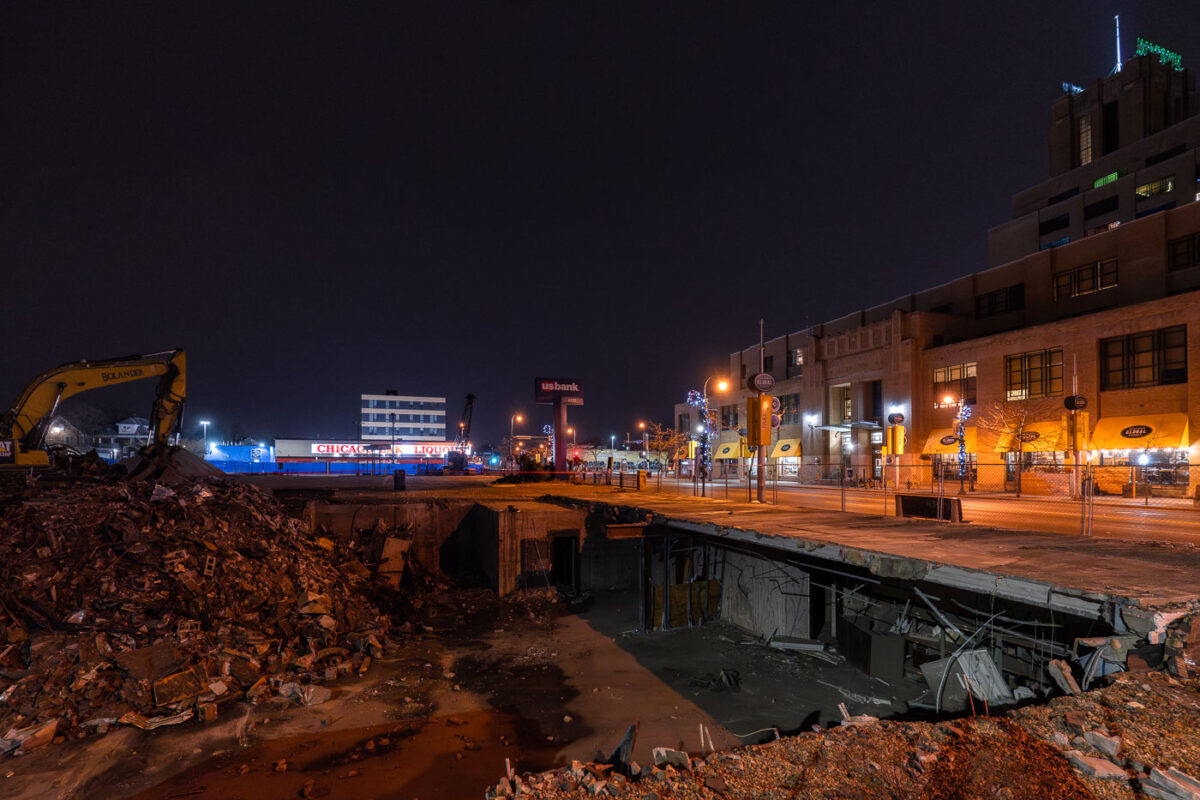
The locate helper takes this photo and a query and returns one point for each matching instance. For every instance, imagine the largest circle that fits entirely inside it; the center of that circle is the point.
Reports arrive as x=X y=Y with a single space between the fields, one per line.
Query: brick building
x=1092 y=286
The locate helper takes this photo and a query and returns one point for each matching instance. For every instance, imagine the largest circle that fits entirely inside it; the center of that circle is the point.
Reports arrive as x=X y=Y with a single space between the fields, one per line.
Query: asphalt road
x=1171 y=520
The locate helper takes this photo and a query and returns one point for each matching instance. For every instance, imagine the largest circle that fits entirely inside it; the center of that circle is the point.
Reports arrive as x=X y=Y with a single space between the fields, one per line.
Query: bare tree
x=1011 y=420
x=666 y=442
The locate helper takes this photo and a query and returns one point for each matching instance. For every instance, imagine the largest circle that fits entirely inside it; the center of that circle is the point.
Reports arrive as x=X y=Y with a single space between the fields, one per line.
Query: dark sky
x=321 y=200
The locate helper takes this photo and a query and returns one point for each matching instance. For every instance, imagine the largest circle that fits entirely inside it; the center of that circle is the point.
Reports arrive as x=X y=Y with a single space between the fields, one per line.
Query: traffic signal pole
x=762 y=446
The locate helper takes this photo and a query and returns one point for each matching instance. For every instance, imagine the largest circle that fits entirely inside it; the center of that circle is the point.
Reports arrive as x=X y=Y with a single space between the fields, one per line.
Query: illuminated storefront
x=293 y=450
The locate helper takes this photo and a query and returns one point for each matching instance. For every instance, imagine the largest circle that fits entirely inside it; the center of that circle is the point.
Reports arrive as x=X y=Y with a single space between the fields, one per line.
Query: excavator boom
x=22 y=428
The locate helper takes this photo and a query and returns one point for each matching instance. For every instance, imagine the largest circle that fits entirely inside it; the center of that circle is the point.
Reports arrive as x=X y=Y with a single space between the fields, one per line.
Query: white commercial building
x=395 y=417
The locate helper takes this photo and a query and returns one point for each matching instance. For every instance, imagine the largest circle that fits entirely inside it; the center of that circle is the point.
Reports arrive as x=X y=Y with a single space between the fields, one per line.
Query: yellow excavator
x=23 y=426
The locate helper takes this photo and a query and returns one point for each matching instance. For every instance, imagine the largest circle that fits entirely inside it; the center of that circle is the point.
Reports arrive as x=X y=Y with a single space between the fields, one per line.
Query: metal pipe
x=940 y=616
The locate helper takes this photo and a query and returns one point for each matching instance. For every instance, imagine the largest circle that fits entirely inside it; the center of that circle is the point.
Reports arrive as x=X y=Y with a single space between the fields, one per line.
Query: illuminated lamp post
x=511 y=450
x=960 y=433
x=204 y=424
x=704 y=451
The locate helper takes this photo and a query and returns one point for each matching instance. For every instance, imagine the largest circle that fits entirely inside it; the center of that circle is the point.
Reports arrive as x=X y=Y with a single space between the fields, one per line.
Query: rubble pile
x=145 y=605
x=1139 y=736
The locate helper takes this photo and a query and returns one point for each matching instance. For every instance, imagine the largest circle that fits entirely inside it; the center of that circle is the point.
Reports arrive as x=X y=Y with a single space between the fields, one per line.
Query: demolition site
x=194 y=635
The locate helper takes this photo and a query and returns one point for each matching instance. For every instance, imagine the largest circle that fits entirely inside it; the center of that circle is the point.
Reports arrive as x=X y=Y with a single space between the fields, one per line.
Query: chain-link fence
x=1133 y=500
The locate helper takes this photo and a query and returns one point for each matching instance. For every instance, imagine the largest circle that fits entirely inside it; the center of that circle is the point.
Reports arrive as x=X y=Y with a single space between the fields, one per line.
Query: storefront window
x=1156 y=467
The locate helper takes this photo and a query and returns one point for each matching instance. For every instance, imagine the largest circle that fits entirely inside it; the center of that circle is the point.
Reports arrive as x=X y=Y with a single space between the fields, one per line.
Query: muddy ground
x=479 y=684
x=477 y=681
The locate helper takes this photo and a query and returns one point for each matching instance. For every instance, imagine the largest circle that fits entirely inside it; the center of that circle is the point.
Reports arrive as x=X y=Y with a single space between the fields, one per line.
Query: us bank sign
x=555 y=390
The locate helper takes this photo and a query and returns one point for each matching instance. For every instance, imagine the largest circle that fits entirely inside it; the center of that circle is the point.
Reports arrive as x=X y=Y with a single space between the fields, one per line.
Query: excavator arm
x=22 y=428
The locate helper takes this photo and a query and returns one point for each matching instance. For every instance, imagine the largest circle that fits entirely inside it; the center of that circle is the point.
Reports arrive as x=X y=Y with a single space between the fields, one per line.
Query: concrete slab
x=1069 y=573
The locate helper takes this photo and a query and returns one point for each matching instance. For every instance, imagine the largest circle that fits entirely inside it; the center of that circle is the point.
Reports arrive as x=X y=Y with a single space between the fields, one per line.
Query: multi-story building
x=392 y=416
x=1090 y=292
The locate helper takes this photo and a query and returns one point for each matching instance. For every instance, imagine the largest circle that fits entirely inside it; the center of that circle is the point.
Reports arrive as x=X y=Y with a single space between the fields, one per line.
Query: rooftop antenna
x=1117 y=19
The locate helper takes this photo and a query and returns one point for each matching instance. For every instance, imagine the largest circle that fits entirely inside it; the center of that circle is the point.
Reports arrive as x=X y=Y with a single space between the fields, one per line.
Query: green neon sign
x=1165 y=56
x=1109 y=178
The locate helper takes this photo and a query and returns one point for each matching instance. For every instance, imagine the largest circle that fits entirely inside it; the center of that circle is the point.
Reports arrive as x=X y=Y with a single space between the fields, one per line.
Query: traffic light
x=896 y=439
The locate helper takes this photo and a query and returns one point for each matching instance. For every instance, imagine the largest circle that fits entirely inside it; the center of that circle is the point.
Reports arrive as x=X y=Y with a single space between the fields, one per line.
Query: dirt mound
x=141 y=604
x=173 y=467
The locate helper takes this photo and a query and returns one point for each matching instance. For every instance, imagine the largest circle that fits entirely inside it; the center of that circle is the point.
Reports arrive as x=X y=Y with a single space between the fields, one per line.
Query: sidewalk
x=951 y=491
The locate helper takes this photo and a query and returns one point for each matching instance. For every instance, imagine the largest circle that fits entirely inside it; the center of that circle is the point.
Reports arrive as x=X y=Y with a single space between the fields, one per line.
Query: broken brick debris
x=148 y=605
x=1021 y=753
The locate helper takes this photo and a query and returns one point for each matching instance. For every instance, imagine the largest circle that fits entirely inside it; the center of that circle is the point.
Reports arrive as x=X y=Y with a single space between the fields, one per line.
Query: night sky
x=321 y=200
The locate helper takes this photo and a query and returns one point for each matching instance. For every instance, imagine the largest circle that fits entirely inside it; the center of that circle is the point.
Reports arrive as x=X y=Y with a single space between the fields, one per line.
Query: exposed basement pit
x=775 y=632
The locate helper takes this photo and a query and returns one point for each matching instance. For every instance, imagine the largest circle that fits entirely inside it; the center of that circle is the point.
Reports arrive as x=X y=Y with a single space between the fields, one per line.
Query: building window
x=1183 y=252
x=1038 y=373
x=768 y=363
x=954 y=382
x=798 y=359
x=1105 y=205
x=1053 y=224
x=1153 y=188
x=729 y=417
x=1086 y=279
x=1149 y=358
x=1000 y=301
x=846 y=405
x=789 y=409
x=1085 y=141
x=683 y=424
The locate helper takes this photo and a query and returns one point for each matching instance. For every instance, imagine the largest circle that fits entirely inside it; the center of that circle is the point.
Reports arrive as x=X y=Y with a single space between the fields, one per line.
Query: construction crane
x=456 y=459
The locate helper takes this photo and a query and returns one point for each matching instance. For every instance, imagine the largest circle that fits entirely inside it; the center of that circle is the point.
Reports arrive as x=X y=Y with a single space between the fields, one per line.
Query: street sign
x=762 y=382
x=1075 y=402
x=895 y=419
x=776 y=420
x=775 y=405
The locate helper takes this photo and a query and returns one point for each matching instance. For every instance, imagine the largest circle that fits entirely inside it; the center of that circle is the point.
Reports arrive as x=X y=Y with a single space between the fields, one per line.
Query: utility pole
x=762 y=448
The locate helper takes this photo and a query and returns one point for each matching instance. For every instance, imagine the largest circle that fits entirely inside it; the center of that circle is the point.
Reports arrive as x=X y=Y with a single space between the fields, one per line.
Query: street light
x=612 y=446
x=205 y=423
x=960 y=433
x=706 y=445
x=572 y=432
x=513 y=419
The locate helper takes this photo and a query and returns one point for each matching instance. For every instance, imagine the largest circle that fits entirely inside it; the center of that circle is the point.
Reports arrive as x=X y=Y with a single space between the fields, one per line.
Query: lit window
x=1161 y=186
x=1085 y=141
x=954 y=382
